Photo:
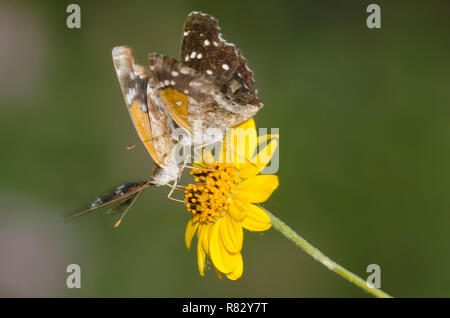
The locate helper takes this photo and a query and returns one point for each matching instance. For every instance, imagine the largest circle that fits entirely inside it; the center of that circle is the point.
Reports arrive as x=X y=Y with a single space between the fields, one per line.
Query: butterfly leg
x=169 y=196
x=174 y=187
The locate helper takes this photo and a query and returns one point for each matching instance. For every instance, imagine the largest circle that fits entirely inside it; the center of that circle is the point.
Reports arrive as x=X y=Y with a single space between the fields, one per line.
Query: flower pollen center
x=209 y=197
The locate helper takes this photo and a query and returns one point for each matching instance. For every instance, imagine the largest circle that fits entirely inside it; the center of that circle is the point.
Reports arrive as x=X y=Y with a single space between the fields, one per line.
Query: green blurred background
x=364 y=119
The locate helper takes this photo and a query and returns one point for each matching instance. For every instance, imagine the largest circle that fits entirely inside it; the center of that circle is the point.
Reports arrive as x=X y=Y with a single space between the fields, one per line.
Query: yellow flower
x=222 y=201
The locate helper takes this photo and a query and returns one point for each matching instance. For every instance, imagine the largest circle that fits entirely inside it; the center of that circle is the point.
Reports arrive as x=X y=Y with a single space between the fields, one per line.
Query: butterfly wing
x=120 y=195
x=204 y=49
x=122 y=205
x=164 y=134
x=153 y=125
x=192 y=97
x=133 y=81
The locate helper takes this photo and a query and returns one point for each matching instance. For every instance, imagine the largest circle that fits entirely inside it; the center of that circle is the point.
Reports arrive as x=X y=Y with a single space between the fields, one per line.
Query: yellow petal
x=231 y=234
x=224 y=261
x=247 y=141
x=265 y=138
x=201 y=159
x=267 y=145
x=248 y=124
x=219 y=274
x=237 y=273
x=256 y=219
x=204 y=235
x=207 y=156
x=191 y=227
x=228 y=153
x=265 y=154
x=201 y=258
x=238 y=207
x=249 y=170
x=259 y=188
x=240 y=143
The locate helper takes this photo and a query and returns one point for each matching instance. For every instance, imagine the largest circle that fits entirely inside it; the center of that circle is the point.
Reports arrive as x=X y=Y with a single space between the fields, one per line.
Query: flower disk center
x=209 y=197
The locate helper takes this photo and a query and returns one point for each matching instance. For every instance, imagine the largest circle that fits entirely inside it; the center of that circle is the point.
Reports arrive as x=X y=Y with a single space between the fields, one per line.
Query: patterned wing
x=121 y=195
x=192 y=97
x=133 y=82
x=162 y=126
x=204 y=49
x=153 y=125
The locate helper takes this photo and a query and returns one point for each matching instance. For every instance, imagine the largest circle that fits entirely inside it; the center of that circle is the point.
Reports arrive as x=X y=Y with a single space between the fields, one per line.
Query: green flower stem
x=322 y=258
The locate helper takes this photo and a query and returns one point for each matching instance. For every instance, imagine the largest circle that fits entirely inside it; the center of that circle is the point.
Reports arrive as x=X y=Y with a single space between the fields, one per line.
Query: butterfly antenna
x=125 y=212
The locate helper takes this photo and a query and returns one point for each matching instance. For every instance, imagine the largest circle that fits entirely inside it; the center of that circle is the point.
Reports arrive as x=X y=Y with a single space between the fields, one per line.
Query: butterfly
x=190 y=101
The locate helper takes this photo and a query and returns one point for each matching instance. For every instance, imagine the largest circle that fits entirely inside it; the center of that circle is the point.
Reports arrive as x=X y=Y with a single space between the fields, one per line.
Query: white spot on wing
x=194 y=83
x=225 y=67
x=143 y=107
x=130 y=96
x=97 y=202
x=184 y=70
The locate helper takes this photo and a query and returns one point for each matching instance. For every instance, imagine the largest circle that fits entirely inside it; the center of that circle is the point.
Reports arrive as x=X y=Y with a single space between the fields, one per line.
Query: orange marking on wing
x=142 y=124
x=177 y=104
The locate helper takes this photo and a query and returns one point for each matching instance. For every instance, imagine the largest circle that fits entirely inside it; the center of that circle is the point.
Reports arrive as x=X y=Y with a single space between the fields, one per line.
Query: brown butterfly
x=192 y=100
